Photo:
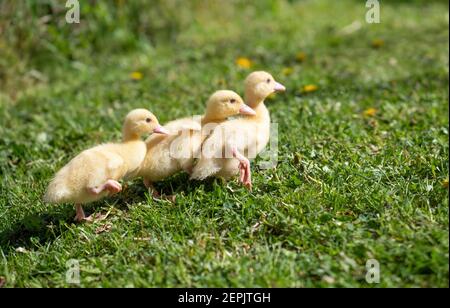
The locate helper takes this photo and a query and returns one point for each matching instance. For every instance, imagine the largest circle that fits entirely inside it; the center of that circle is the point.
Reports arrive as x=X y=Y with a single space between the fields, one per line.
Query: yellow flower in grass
x=243 y=62
x=445 y=183
x=287 y=71
x=300 y=57
x=136 y=75
x=377 y=43
x=310 y=88
x=370 y=112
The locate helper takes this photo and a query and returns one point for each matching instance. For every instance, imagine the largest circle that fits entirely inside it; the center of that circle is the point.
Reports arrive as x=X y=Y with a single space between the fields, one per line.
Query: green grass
x=347 y=187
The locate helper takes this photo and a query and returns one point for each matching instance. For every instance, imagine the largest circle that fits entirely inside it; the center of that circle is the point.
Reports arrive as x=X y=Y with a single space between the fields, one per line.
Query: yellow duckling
x=94 y=173
x=249 y=135
x=167 y=155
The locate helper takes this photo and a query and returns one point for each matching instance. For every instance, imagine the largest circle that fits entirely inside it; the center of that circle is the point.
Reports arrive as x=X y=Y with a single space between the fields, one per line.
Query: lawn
x=363 y=157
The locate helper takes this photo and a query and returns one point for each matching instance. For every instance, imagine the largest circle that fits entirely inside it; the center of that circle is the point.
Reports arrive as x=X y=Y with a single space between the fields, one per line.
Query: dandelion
x=310 y=88
x=445 y=183
x=377 y=43
x=136 y=75
x=243 y=62
x=370 y=112
x=300 y=57
x=287 y=71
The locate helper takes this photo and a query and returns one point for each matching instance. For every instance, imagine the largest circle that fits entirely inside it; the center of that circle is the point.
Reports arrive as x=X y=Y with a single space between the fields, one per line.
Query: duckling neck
x=259 y=107
x=207 y=118
x=262 y=113
x=129 y=136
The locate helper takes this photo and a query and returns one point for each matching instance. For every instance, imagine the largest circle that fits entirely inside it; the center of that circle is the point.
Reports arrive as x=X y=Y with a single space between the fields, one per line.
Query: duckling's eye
x=268 y=80
x=148 y=120
x=232 y=101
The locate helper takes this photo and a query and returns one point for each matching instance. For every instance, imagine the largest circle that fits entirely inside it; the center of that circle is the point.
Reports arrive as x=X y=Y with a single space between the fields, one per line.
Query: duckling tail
x=57 y=192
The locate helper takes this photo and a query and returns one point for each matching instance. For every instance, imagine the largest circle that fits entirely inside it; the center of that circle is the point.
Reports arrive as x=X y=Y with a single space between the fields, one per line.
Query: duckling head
x=225 y=103
x=259 y=85
x=139 y=122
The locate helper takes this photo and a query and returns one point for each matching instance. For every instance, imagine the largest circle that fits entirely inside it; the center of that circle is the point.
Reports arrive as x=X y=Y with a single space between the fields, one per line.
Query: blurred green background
x=34 y=35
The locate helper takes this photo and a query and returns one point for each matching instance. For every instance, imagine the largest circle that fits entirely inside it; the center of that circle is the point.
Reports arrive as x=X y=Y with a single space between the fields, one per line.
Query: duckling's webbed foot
x=246 y=176
x=149 y=185
x=95 y=217
x=80 y=213
x=111 y=186
x=244 y=169
x=81 y=217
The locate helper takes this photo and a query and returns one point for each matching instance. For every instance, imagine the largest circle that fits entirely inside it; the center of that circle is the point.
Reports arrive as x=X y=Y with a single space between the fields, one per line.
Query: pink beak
x=247 y=110
x=161 y=130
x=279 y=87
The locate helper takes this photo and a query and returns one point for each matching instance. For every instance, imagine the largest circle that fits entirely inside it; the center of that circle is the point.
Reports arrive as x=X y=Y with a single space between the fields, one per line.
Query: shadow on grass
x=180 y=184
x=37 y=228
x=43 y=228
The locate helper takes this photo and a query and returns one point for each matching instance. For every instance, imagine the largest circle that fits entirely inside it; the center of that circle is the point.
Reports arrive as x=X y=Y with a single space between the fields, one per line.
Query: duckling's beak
x=247 y=110
x=279 y=87
x=161 y=130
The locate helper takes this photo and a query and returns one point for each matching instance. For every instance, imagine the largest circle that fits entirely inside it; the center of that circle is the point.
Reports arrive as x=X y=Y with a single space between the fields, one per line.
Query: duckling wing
x=167 y=155
x=164 y=154
x=90 y=168
x=212 y=151
x=190 y=147
x=216 y=151
x=66 y=186
x=107 y=163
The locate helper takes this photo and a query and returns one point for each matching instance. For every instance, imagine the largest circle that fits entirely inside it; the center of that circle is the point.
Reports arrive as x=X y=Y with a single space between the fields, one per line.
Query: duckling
x=167 y=155
x=249 y=134
x=95 y=172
